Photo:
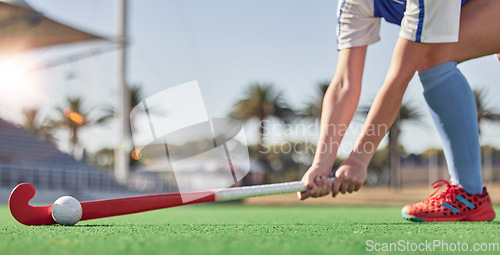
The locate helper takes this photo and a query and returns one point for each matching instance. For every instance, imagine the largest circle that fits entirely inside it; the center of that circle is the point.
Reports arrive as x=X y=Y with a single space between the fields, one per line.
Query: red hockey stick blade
x=25 y=213
x=42 y=215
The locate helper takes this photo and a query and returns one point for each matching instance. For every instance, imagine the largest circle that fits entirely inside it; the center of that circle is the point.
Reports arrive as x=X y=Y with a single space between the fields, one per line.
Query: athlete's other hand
x=350 y=176
x=318 y=180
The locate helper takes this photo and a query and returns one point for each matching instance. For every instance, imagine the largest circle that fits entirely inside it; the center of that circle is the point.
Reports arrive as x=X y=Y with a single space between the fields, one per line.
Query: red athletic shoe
x=453 y=204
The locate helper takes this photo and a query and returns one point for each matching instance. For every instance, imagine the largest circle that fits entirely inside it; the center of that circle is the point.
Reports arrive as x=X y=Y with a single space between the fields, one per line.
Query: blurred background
x=70 y=71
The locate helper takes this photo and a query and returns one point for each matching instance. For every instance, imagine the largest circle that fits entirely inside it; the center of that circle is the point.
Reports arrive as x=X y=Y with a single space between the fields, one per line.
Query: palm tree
x=312 y=110
x=261 y=101
x=485 y=113
x=32 y=123
x=135 y=93
x=135 y=97
x=74 y=117
x=407 y=113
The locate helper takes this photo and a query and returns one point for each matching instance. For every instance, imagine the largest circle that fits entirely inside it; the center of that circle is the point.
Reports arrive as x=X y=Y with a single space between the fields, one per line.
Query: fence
x=78 y=179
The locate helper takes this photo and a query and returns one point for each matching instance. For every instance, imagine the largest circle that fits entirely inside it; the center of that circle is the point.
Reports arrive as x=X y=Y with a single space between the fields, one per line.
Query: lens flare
x=74 y=116
x=77 y=118
x=136 y=154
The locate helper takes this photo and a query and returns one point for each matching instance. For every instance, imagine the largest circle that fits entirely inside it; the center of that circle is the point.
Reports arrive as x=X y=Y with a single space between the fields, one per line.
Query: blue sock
x=453 y=109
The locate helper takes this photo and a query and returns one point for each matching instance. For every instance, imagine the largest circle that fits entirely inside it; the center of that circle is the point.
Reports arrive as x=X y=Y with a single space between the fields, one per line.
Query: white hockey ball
x=67 y=211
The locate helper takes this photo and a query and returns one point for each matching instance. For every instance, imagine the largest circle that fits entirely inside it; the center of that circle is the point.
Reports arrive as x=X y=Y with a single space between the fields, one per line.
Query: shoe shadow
x=97 y=225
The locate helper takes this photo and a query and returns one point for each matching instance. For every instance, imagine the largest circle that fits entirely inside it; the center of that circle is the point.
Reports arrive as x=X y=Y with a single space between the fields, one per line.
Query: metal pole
x=121 y=104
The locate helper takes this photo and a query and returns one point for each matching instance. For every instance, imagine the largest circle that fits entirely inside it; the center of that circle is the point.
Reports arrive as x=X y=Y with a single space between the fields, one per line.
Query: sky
x=225 y=46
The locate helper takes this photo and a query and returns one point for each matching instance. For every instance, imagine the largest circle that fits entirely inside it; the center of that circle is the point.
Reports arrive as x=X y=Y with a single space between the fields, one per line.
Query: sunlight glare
x=11 y=74
x=17 y=88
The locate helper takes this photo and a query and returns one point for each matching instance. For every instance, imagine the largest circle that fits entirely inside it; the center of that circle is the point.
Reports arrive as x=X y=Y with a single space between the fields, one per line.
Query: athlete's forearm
x=339 y=104
x=407 y=57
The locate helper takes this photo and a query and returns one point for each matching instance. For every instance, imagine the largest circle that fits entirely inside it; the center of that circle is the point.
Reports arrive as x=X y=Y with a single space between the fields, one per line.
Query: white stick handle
x=259 y=190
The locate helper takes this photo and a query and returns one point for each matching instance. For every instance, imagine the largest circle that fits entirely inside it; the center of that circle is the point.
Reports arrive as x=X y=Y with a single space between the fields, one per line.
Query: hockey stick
x=42 y=215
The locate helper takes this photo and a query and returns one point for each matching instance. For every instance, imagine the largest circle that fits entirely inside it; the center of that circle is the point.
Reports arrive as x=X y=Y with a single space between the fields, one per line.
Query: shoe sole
x=486 y=215
x=406 y=217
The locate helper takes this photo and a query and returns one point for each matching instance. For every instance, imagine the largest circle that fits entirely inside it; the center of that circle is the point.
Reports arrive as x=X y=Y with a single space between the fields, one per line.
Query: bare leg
x=449 y=96
x=479 y=35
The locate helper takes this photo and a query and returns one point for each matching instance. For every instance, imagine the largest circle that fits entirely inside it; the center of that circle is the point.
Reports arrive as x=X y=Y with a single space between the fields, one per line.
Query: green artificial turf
x=238 y=229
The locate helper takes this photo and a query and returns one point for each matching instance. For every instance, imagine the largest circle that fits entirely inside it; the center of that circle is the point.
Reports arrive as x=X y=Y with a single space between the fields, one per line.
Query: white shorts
x=426 y=21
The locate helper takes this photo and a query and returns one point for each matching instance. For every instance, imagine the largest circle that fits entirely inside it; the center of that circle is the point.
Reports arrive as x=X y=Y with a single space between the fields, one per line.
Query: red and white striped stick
x=42 y=215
